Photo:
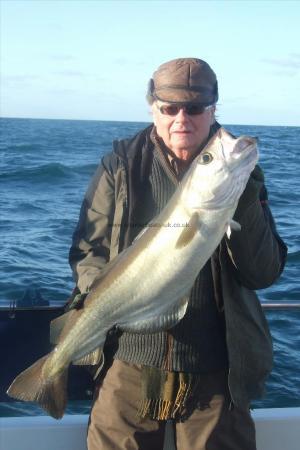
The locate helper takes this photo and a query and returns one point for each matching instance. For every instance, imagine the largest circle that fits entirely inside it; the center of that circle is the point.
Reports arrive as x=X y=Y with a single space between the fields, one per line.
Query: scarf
x=174 y=395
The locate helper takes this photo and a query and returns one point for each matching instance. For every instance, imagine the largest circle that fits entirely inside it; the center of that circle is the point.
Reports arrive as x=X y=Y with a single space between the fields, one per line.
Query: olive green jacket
x=251 y=259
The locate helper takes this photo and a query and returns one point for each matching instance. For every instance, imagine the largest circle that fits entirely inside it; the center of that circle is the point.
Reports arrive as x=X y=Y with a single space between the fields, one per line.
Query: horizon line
x=134 y=121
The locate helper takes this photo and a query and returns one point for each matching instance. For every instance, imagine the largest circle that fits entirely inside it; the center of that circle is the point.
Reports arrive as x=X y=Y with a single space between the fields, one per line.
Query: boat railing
x=274 y=306
x=13 y=307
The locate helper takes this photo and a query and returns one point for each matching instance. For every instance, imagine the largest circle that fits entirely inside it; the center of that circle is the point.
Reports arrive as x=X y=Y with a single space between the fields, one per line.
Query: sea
x=45 y=168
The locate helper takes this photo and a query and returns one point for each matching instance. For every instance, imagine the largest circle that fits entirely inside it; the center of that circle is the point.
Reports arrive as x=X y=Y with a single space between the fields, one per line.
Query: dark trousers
x=115 y=425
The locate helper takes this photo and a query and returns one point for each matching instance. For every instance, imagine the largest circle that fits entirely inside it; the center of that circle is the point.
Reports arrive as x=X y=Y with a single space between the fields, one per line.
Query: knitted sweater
x=197 y=343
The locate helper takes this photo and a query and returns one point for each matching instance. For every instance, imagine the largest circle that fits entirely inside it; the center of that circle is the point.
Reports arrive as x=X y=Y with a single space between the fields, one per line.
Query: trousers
x=115 y=425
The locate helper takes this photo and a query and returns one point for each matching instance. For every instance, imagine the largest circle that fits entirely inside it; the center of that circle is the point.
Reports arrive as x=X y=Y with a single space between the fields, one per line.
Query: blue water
x=45 y=167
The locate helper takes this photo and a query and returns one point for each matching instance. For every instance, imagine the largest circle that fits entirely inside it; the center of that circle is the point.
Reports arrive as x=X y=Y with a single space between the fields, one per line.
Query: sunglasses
x=192 y=109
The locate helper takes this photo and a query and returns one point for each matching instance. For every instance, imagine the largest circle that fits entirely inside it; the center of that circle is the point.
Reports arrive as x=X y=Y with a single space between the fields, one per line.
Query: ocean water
x=45 y=167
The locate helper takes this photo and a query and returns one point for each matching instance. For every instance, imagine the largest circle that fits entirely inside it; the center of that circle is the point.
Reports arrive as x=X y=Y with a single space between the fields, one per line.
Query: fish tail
x=49 y=392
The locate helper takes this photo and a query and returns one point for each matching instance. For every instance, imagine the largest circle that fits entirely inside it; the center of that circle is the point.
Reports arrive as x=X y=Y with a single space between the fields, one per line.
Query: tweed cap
x=184 y=80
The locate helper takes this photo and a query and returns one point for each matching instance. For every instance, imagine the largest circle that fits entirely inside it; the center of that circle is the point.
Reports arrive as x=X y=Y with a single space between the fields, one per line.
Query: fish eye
x=206 y=158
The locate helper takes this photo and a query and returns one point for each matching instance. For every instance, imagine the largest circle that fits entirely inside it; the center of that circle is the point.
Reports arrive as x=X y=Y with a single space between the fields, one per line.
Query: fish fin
x=57 y=325
x=91 y=359
x=61 y=326
x=165 y=320
x=228 y=232
x=189 y=232
x=99 y=369
x=233 y=225
x=32 y=385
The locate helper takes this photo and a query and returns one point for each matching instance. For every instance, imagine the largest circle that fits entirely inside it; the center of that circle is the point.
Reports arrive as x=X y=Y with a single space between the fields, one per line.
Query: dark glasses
x=192 y=109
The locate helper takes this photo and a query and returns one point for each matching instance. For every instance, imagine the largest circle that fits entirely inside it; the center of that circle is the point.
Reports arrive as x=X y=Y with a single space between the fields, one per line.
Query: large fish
x=146 y=288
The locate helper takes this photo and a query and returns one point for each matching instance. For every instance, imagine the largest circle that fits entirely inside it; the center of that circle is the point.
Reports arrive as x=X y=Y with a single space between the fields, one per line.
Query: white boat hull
x=277 y=429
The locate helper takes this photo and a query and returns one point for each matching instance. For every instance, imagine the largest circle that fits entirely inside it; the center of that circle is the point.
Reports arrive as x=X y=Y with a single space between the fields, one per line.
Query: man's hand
x=251 y=192
x=75 y=301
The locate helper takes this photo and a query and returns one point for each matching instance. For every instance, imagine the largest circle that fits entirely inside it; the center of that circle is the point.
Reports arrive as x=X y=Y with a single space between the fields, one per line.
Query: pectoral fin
x=233 y=225
x=189 y=232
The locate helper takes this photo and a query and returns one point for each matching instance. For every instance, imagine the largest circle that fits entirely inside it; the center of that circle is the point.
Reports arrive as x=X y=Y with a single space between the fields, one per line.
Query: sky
x=92 y=59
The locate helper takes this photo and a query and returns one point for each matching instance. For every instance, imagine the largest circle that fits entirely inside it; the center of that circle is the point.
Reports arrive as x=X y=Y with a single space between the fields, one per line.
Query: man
x=201 y=374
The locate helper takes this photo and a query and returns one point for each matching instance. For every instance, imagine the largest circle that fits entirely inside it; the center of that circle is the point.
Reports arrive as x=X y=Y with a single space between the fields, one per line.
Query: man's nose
x=182 y=115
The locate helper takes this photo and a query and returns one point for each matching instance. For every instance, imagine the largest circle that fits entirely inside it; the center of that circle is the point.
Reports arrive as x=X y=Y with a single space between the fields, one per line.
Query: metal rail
x=288 y=306
x=12 y=308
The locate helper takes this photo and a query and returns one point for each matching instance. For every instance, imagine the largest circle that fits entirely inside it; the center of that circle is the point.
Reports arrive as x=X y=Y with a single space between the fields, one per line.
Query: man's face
x=182 y=133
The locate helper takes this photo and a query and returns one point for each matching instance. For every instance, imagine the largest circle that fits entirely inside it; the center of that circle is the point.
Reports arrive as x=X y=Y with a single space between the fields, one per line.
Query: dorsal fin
x=60 y=326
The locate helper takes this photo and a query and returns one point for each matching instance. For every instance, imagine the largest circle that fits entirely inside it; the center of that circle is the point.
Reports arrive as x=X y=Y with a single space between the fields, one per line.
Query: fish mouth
x=239 y=171
x=236 y=149
x=245 y=158
x=246 y=142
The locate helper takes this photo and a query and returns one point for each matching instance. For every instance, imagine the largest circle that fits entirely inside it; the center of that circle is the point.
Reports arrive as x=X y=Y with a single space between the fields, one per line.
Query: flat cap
x=184 y=80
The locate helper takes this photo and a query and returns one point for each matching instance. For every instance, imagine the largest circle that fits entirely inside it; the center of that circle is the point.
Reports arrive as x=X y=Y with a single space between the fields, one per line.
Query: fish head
x=219 y=174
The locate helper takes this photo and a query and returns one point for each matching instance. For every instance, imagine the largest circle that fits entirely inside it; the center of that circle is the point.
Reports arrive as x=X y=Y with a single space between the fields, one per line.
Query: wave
x=48 y=172
x=21 y=148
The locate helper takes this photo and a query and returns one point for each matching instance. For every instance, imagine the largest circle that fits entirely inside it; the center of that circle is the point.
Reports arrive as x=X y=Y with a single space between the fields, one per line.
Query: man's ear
x=153 y=112
x=212 y=115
